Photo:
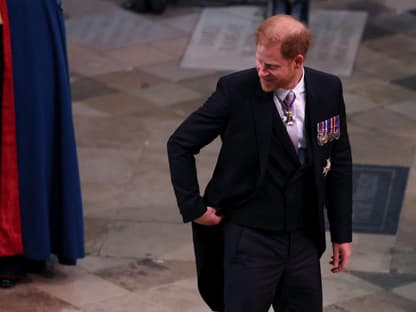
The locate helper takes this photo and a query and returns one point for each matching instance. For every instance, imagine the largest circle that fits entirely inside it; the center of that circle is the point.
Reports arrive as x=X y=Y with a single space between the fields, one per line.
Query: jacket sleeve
x=339 y=182
x=198 y=130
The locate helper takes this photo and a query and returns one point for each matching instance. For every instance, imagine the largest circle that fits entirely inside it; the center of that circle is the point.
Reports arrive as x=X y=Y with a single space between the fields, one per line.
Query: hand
x=341 y=256
x=210 y=217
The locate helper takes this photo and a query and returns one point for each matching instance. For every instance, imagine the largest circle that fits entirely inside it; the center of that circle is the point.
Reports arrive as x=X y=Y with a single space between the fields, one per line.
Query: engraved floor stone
x=377 y=198
x=336 y=36
x=117 y=29
x=224 y=39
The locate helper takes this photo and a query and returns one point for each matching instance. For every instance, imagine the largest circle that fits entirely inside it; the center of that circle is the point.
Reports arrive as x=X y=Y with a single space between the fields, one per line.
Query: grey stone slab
x=397 y=46
x=381 y=301
x=93 y=264
x=119 y=104
x=387 y=281
x=142 y=274
x=224 y=39
x=407 y=109
x=166 y=94
x=407 y=82
x=25 y=298
x=96 y=231
x=372 y=31
x=78 y=288
x=88 y=62
x=172 y=72
x=371 y=146
x=404 y=260
x=372 y=252
x=336 y=36
x=127 y=303
x=125 y=80
x=342 y=287
x=100 y=132
x=125 y=239
x=378 y=193
x=117 y=29
x=186 y=23
x=75 y=8
x=86 y=87
x=406 y=291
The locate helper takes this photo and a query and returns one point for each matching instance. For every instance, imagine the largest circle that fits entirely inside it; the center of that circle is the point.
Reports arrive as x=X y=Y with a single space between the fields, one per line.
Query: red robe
x=10 y=224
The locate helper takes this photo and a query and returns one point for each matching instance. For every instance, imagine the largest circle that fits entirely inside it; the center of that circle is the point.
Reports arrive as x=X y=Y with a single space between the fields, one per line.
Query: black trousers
x=270 y=268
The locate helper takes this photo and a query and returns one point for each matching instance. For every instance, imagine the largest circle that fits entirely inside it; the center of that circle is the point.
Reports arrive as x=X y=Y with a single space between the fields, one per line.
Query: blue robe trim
x=50 y=195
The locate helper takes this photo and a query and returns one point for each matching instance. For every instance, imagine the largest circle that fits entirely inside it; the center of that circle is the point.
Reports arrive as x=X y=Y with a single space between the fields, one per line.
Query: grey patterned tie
x=288 y=110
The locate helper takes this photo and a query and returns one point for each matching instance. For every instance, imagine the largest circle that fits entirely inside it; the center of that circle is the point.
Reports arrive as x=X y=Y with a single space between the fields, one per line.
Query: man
x=285 y=154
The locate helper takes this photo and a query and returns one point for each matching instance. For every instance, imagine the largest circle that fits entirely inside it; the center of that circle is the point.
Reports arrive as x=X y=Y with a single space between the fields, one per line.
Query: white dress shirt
x=298 y=108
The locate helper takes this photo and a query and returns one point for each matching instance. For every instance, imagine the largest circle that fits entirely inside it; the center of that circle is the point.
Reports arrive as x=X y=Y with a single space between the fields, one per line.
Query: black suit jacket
x=240 y=112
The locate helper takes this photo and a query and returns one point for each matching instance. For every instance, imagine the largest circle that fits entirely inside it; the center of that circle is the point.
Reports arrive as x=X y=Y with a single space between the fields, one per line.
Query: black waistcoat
x=284 y=196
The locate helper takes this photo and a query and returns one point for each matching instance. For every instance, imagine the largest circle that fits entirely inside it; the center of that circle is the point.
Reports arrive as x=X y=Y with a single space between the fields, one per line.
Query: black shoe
x=7 y=281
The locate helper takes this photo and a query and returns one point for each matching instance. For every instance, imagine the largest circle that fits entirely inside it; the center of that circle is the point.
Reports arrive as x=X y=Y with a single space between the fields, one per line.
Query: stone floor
x=129 y=93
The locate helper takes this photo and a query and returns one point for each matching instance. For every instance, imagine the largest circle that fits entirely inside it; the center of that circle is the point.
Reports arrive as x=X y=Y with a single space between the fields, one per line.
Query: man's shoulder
x=243 y=77
x=320 y=75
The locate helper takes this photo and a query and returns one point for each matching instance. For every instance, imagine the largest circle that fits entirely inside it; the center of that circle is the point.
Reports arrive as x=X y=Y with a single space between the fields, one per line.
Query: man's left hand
x=341 y=256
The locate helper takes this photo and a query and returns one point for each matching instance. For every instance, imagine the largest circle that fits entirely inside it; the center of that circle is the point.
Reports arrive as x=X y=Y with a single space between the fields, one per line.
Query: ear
x=298 y=61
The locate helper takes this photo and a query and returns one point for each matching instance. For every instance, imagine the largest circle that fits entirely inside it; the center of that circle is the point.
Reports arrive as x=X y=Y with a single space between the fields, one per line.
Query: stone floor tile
x=85 y=88
x=385 y=121
x=127 y=303
x=344 y=286
x=184 y=22
x=143 y=274
x=75 y=8
x=204 y=85
x=79 y=289
x=89 y=62
x=382 y=93
x=119 y=104
x=25 y=297
x=389 y=45
x=372 y=252
x=369 y=146
x=407 y=108
x=399 y=5
x=130 y=79
x=406 y=82
x=381 y=301
x=93 y=263
x=81 y=109
x=118 y=29
x=355 y=103
x=96 y=231
x=404 y=260
x=121 y=244
x=102 y=133
x=188 y=301
x=173 y=72
x=174 y=47
x=166 y=94
x=386 y=281
x=139 y=55
x=407 y=291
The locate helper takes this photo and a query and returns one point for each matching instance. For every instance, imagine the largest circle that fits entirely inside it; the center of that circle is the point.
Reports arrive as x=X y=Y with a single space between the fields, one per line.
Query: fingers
x=341 y=257
x=210 y=217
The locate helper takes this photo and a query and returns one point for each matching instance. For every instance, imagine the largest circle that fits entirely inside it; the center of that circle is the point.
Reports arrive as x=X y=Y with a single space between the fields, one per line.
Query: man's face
x=274 y=71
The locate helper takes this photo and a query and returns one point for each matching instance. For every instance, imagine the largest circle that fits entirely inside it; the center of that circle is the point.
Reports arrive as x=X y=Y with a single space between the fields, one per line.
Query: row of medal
x=328 y=130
